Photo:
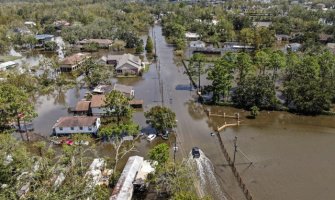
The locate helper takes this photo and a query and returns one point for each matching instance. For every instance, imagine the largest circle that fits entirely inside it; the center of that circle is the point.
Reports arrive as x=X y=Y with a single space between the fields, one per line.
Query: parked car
x=151 y=137
x=195 y=152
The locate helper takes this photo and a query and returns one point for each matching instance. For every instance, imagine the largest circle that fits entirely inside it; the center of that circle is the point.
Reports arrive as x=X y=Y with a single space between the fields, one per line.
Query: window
x=81 y=128
x=60 y=128
x=72 y=128
x=89 y=128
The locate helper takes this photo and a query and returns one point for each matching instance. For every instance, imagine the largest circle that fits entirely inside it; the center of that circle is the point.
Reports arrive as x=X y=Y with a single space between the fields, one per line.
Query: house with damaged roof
x=76 y=124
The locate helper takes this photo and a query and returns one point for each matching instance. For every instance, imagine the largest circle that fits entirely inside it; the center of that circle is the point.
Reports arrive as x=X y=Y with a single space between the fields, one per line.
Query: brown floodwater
x=291 y=155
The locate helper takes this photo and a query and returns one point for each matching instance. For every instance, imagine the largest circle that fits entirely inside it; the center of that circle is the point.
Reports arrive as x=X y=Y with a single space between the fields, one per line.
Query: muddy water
x=292 y=155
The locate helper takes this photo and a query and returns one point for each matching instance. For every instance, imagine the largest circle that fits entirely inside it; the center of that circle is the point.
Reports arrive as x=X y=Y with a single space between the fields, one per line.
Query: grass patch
x=8 y=58
x=146 y=68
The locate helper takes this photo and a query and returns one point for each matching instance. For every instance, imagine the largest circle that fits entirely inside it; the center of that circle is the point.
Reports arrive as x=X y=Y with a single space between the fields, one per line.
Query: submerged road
x=193 y=126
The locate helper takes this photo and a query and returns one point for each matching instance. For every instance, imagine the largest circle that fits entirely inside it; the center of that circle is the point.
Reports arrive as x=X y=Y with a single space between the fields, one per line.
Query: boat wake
x=205 y=170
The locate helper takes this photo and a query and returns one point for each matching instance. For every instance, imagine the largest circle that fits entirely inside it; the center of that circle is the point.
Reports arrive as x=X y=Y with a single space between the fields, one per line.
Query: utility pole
x=199 y=90
x=174 y=154
x=235 y=150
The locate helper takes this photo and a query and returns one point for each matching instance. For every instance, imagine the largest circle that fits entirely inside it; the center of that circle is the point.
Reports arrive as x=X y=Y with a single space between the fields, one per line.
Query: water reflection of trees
x=196 y=110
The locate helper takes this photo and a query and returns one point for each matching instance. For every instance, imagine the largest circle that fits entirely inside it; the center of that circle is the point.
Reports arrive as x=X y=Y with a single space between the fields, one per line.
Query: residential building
x=192 y=36
x=102 y=89
x=126 y=64
x=282 y=37
x=293 y=47
x=76 y=124
x=97 y=105
x=197 y=44
x=262 y=24
x=82 y=107
x=102 y=43
x=128 y=91
x=73 y=62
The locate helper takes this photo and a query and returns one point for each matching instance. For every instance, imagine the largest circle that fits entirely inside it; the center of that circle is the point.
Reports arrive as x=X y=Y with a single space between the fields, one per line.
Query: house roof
x=99 y=41
x=74 y=59
x=198 y=42
x=102 y=89
x=125 y=182
x=43 y=36
x=73 y=121
x=83 y=105
x=191 y=35
x=130 y=59
x=123 y=88
x=261 y=24
x=98 y=101
x=136 y=102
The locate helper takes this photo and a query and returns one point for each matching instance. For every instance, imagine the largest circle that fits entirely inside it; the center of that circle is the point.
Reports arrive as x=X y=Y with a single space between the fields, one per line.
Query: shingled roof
x=98 y=101
x=130 y=59
x=83 y=106
x=75 y=59
x=75 y=121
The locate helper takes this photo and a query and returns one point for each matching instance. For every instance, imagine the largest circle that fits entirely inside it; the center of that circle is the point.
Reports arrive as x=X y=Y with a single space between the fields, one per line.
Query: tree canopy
x=161 y=118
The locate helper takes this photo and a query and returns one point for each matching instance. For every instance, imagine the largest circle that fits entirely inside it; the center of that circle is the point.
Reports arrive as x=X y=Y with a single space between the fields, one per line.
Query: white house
x=76 y=124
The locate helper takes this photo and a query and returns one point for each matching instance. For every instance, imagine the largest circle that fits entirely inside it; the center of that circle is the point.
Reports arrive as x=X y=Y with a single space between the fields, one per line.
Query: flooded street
x=292 y=156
